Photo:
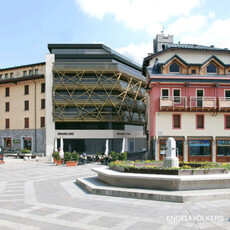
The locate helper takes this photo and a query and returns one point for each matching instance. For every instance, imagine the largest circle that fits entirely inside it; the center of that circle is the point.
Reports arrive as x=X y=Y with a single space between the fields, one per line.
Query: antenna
x=162 y=29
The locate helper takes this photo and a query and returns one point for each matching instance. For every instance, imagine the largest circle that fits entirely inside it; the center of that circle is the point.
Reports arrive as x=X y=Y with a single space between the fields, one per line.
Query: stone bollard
x=171 y=160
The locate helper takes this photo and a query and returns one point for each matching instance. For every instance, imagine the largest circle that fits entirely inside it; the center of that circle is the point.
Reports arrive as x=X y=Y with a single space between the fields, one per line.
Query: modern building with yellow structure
x=22 y=107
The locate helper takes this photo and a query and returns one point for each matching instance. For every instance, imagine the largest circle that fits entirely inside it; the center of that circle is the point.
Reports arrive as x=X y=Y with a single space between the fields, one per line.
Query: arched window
x=174 y=67
x=211 y=68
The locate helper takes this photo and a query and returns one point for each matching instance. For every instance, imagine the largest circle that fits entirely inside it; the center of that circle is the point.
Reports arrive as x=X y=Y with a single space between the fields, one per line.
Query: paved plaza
x=43 y=196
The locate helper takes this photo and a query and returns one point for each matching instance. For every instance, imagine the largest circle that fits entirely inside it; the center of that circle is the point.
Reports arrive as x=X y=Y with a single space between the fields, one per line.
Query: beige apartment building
x=22 y=107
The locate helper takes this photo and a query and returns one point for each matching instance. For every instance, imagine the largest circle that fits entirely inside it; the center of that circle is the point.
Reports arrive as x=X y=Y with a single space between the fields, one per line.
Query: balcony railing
x=173 y=103
x=224 y=103
x=202 y=103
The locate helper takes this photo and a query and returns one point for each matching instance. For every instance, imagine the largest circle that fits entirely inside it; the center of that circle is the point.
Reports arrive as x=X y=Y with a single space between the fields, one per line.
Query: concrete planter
x=71 y=163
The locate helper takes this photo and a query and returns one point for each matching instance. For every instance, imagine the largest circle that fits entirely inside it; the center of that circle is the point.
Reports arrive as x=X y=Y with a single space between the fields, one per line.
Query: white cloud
x=146 y=15
x=136 y=52
x=187 y=24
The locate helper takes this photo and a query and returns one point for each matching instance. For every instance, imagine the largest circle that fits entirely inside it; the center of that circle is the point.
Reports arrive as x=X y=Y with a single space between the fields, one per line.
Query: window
x=6 y=75
x=199 y=147
x=31 y=72
x=227 y=121
x=43 y=103
x=227 y=94
x=211 y=68
x=42 y=122
x=176 y=95
x=176 y=121
x=7 y=123
x=7 y=91
x=193 y=71
x=11 y=75
x=174 y=68
x=24 y=73
x=223 y=148
x=165 y=93
x=36 y=71
x=200 y=121
x=43 y=88
x=26 y=105
x=7 y=106
x=26 y=89
x=26 y=122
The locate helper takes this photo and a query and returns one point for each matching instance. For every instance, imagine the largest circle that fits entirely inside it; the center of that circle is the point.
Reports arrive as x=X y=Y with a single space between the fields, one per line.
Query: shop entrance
x=7 y=142
x=27 y=143
x=223 y=150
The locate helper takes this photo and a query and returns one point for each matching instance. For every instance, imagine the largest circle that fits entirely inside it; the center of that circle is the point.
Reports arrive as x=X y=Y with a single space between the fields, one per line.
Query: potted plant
x=26 y=153
x=71 y=159
x=55 y=156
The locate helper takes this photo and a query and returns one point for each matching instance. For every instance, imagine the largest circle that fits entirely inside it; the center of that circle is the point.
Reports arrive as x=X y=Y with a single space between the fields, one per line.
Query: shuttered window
x=200 y=121
x=227 y=122
x=176 y=121
x=42 y=122
x=27 y=122
x=7 y=123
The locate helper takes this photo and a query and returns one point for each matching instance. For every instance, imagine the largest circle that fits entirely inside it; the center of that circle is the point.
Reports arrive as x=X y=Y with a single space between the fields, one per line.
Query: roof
x=19 y=79
x=23 y=66
x=181 y=46
x=194 y=47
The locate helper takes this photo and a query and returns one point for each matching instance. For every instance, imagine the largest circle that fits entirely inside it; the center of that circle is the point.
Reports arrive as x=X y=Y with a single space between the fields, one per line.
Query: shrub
x=67 y=156
x=71 y=156
x=118 y=156
x=25 y=151
x=56 y=155
x=75 y=157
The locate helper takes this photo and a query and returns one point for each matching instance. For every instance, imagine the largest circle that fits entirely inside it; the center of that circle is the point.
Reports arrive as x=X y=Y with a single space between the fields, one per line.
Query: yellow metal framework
x=98 y=96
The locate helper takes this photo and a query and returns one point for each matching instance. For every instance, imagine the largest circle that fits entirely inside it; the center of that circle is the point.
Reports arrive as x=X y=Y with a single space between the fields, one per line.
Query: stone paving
x=43 y=196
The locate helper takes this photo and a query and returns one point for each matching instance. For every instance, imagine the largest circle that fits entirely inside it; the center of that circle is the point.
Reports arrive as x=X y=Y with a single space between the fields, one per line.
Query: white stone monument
x=171 y=160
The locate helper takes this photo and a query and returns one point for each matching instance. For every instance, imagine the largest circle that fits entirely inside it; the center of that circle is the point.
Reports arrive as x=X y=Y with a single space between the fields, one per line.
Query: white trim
x=178 y=96
x=164 y=89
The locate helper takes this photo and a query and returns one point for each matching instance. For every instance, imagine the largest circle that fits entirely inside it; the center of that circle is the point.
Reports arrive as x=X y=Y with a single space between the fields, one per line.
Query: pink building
x=188 y=98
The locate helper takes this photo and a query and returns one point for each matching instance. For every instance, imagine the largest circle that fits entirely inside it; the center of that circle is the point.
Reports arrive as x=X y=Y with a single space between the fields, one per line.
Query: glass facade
x=223 y=147
x=199 y=147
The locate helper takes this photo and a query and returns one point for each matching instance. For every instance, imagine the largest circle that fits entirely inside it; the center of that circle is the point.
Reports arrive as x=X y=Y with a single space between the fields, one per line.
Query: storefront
x=7 y=142
x=179 y=147
x=223 y=150
x=200 y=149
x=27 y=143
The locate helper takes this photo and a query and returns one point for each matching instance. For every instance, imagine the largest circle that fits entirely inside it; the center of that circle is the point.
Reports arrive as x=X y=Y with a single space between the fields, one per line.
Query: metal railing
x=224 y=103
x=173 y=102
x=203 y=102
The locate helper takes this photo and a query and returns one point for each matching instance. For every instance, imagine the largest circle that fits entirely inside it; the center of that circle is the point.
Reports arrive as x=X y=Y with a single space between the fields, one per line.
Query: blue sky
x=128 y=26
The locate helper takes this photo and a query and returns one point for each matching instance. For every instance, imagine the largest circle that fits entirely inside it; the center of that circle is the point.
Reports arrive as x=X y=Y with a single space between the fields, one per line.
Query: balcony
x=202 y=103
x=224 y=104
x=193 y=104
x=173 y=103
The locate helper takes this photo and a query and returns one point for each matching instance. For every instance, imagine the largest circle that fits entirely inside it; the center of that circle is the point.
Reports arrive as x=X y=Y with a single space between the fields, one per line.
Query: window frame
x=43 y=106
x=211 y=72
x=42 y=122
x=7 y=123
x=26 y=90
x=164 y=97
x=7 y=106
x=179 y=101
x=225 y=121
x=26 y=105
x=174 y=62
x=26 y=123
x=43 y=90
x=7 y=91
x=198 y=115
x=173 y=121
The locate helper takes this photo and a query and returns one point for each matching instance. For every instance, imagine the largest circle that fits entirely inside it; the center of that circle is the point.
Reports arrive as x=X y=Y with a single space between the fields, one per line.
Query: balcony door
x=199 y=95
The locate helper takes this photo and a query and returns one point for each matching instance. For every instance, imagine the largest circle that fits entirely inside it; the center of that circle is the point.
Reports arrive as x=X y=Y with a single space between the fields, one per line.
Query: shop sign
x=16 y=141
x=199 y=143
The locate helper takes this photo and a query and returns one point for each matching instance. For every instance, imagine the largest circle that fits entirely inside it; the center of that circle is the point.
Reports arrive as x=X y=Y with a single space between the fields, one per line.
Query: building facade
x=22 y=107
x=93 y=94
x=189 y=99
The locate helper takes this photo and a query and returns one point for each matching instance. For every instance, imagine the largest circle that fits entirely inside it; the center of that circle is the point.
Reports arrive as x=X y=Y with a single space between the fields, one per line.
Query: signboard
x=16 y=141
x=1 y=153
x=199 y=143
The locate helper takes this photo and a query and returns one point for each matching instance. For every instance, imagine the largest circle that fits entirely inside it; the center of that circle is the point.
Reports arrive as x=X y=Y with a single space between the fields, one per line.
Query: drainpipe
x=35 y=117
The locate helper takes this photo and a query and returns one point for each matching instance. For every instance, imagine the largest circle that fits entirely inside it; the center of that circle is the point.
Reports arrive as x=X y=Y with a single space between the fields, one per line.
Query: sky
x=127 y=26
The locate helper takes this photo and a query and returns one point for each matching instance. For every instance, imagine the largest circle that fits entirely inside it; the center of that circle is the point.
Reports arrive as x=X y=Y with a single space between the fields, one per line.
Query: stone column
x=185 y=149
x=214 y=149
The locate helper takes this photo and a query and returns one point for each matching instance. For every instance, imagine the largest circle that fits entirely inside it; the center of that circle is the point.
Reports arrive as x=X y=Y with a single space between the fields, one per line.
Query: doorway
x=200 y=95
